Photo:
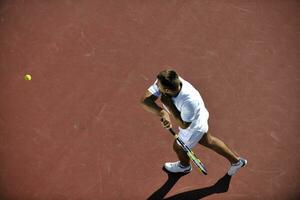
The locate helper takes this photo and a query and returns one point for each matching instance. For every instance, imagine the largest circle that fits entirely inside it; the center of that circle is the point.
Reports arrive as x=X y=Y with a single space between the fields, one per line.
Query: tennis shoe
x=236 y=166
x=176 y=167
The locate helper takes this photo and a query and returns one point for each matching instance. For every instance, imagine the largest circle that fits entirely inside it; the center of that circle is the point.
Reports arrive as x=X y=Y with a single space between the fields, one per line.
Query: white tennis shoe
x=236 y=166
x=176 y=167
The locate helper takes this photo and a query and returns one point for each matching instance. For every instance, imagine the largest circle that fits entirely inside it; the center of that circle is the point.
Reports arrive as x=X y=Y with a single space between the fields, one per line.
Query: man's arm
x=179 y=121
x=167 y=101
x=148 y=103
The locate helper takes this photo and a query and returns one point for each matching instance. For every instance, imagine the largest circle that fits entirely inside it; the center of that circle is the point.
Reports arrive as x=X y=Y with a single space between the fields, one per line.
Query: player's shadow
x=221 y=186
x=167 y=186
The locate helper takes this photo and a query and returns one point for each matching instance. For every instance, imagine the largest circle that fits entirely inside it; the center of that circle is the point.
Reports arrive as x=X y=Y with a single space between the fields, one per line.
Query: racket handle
x=172 y=131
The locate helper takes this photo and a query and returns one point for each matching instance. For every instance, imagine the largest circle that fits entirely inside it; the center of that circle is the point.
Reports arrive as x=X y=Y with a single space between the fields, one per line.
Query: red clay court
x=76 y=131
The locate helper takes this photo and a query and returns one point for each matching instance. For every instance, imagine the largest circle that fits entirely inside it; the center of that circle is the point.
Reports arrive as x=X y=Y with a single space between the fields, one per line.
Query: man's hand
x=165 y=119
x=148 y=103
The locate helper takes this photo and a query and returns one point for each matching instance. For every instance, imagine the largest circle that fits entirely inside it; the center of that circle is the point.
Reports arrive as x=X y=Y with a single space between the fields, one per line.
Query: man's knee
x=207 y=140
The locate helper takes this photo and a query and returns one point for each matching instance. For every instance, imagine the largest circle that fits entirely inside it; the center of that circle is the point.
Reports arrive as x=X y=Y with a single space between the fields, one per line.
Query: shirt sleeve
x=154 y=89
x=188 y=111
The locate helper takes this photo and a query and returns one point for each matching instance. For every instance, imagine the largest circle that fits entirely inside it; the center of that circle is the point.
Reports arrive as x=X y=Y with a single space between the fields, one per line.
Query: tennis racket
x=190 y=153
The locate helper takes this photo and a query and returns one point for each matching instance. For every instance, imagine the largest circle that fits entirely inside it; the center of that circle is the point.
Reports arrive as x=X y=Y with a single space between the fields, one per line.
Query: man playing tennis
x=184 y=103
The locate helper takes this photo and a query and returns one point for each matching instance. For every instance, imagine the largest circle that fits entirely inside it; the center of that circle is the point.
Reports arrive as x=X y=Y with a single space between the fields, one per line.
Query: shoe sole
x=184 y=172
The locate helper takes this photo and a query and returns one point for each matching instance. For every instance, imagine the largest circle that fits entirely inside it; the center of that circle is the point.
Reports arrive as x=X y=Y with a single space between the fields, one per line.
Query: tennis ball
x=27 y=77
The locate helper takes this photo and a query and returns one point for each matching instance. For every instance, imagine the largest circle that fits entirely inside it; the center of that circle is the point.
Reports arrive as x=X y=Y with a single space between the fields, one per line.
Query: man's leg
x=183 y=165
x=218 y=146
x=182 y=156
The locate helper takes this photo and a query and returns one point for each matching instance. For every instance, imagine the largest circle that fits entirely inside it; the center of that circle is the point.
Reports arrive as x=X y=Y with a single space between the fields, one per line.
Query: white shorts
x=191 y=137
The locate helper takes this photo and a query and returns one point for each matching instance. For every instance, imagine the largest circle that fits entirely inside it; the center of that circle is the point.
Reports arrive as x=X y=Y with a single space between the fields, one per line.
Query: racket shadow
x=221 y=186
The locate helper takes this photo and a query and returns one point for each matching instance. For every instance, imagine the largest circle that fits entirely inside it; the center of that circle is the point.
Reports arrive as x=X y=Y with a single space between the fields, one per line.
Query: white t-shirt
x=189 y=103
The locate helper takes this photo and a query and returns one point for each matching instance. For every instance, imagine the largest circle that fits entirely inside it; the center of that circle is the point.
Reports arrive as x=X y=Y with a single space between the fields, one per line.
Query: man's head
x=168 y=82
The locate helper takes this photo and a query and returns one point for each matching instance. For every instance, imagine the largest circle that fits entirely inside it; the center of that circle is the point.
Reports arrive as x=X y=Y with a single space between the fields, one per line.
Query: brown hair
x=169 y=79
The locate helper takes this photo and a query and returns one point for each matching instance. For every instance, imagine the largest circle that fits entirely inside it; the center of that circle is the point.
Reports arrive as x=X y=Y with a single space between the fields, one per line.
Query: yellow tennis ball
x=27 y=77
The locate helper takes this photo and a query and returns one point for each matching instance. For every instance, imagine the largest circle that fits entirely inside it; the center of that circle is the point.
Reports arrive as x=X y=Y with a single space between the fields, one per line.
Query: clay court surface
x=76 y=131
